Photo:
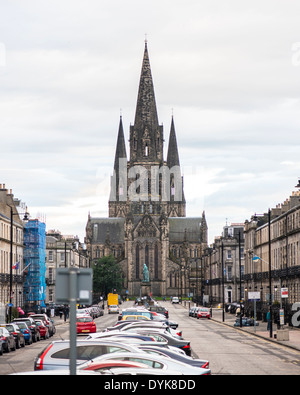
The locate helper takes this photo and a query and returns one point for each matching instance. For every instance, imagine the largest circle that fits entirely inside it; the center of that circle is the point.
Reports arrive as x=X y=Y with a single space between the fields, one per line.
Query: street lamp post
x=223 y=291
x=270 y=279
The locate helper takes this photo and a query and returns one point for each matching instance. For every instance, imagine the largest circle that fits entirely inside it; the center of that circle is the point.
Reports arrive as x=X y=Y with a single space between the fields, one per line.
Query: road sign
x=84 y=285
x=253 y=295
x=284 y=293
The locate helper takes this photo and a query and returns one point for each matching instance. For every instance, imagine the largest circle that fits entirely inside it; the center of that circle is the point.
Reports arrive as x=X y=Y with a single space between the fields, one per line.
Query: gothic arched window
x=137 y=262
x=156 y=261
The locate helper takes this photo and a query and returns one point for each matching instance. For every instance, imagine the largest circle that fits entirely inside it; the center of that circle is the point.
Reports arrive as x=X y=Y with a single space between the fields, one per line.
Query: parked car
x=246 y=322
x=8 y=340
x=192 y=311
x=113 y=308
x=43 y=328
x=134 y=311
x=159 y=309
x=168 y=353
x=31 y=325
x=17 y=334
x=153 y=361
x=135 y=318
x=106 y=365
x=57 y=354
x=85 y=324
x=175 y=299
x=48 y=322
x=152 y=324
x=203 y=312
x=26 y=331
x=158 y=335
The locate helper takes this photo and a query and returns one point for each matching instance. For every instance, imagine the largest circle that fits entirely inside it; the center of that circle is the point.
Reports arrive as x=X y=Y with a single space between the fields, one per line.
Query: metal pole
x=73 y=330
x=223 y=296
x=270 y=280
x=240 y=266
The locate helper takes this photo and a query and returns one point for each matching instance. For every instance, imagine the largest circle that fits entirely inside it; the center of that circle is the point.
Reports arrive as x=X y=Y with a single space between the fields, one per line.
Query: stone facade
x=9 y=207
x=285 y=251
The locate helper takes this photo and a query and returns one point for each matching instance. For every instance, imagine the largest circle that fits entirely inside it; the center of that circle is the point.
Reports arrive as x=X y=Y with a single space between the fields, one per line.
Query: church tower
x=147 y=225
x=146 y=183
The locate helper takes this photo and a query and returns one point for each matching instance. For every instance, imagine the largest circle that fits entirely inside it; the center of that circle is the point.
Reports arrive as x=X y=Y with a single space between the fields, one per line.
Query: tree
x=107 y=276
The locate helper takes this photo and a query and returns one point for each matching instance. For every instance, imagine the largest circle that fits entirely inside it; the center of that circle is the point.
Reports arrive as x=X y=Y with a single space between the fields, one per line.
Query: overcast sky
x=229 y=71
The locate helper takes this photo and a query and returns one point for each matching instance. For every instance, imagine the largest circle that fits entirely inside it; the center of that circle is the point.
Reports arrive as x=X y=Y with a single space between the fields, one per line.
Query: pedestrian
x=268 y=320
x=60 y=313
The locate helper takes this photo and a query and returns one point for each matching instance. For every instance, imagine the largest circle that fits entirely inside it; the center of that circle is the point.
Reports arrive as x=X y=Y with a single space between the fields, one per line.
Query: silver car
x=57 y=354
x=153 y=361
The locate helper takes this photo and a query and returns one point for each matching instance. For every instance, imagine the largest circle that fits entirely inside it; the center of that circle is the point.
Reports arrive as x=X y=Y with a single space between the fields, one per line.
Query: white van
x=175 y=299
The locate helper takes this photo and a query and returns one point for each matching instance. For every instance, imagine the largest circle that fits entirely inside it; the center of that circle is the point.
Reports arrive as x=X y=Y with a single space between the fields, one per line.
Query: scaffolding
x=35 y=262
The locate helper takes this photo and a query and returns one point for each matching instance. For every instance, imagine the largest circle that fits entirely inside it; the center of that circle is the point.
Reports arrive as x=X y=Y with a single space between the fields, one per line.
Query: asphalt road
x=229 y=351
x=232 y=352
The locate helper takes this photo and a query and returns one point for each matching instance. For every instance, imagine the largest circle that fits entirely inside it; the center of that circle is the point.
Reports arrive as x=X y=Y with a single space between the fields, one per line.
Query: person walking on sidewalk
x=268 y=320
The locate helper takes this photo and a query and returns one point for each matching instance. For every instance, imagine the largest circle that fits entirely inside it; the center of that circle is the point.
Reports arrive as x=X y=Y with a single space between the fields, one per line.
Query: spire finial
x=146 y=41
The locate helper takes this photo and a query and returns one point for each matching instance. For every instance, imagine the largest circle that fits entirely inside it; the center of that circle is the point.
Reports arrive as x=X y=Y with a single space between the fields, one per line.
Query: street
x=229 y=351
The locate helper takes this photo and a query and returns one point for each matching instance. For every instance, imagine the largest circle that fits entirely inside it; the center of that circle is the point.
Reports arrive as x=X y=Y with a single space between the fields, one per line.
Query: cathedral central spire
x=146 y=135
x=146 y=113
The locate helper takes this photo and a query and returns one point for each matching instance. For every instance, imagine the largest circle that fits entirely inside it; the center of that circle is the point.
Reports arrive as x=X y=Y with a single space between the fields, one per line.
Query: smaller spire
x=173 y=156
x=120 y=149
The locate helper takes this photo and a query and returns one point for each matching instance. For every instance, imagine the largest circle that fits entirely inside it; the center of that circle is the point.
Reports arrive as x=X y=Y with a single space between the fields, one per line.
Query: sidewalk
x=260 y=330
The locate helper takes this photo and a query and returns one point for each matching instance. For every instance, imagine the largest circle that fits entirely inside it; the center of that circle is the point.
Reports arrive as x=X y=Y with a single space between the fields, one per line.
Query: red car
x=44 y=330
x=203 y=313
x=85 y=324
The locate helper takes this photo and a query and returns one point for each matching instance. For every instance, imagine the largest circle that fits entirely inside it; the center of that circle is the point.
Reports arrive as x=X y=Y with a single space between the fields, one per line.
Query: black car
x=14 y=330
x=8 y=340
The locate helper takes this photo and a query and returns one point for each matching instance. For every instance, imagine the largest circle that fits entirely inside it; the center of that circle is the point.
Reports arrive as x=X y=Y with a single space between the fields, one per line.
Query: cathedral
x=157 y=247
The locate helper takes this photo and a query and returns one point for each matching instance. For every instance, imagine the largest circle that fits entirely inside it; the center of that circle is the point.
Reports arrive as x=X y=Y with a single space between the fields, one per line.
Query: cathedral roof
x=104 y=228
x=183 y=228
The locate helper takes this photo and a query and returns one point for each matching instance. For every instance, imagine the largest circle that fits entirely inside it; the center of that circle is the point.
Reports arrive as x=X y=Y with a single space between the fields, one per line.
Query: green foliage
x=107 y=276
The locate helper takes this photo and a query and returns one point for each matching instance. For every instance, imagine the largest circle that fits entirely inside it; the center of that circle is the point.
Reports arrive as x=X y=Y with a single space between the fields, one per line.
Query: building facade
x=147 y=229
x=11 y=249
x=62 y=251
x=274 y=253
x=224 y=265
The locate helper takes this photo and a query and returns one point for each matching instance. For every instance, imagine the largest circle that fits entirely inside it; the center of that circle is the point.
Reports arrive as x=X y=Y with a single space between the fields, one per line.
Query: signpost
x=73 y=285
x=254 y=296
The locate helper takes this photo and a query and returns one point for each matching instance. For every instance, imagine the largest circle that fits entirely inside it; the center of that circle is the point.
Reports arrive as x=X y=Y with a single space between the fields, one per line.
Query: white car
x=175 y=299
x=113 y=308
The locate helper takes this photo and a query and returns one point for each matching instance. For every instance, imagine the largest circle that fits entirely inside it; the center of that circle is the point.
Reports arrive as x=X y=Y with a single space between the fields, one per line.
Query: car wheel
x=18 y=345
x=1 y=350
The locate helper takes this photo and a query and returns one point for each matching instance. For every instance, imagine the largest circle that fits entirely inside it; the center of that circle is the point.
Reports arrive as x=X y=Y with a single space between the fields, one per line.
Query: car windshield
x=84 y=319
x=22 y=325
